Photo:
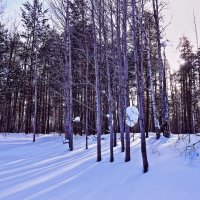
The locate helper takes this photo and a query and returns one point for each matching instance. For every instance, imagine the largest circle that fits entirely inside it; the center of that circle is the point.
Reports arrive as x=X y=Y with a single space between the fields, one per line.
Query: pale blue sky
x=14 y=5
x=12 y=11
x=180 y=13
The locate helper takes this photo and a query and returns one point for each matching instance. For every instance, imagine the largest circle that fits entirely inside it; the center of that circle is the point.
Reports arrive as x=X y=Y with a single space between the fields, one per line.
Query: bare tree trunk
x=98 y=100
x=160 y=62
x=120 y=74
x=147 y=118
x=163 y=100
x=126 y=89
x=70 y=95
x=114 y=78
x=68 y=79
x=110 y=99
x=140 y=89
x=86 y=97
x=196 y=31
x=35 y=50
x=153 y=98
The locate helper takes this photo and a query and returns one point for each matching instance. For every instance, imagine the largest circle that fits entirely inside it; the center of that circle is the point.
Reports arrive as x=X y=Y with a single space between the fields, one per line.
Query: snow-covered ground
x=46 y=170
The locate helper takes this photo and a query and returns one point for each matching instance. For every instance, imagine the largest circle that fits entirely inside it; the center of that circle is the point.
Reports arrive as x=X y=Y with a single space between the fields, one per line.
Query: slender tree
x=140 y=86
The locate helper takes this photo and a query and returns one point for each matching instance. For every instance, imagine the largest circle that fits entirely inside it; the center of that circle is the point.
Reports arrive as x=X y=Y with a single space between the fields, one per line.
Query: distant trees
x=185 y=91
x=19 y=75
x=4 y=75
x=34 y=22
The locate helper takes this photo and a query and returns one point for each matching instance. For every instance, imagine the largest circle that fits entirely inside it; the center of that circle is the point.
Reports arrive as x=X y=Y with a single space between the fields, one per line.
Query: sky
x=13 y=7
x=179 y=13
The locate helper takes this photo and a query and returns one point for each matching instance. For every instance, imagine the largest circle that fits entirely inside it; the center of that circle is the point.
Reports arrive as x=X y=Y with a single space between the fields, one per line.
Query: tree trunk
x=120 y=75
x=140 y=89
x=98 y=100
x=126 y=83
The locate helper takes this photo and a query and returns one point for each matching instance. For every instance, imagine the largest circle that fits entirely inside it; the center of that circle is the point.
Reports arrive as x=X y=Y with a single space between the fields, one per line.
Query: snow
x=46 y=170
x=132 y=115
x=77 y=119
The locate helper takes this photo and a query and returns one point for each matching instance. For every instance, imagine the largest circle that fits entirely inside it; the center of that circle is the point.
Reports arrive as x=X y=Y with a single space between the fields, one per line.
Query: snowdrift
x=46 y=170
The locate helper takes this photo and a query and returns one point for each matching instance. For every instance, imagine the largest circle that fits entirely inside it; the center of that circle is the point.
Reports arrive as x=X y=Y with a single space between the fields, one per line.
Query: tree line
x=185 y=90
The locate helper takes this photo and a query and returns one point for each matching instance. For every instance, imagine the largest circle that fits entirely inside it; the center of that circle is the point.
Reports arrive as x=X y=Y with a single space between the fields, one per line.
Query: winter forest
x=89 y=80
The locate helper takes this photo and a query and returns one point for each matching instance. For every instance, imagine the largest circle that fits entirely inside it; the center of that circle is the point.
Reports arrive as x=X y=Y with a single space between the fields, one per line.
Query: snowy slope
x=46 y=170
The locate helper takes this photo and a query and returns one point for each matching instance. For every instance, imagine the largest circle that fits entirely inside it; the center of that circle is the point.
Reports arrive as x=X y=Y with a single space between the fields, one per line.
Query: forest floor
x=46 y=170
